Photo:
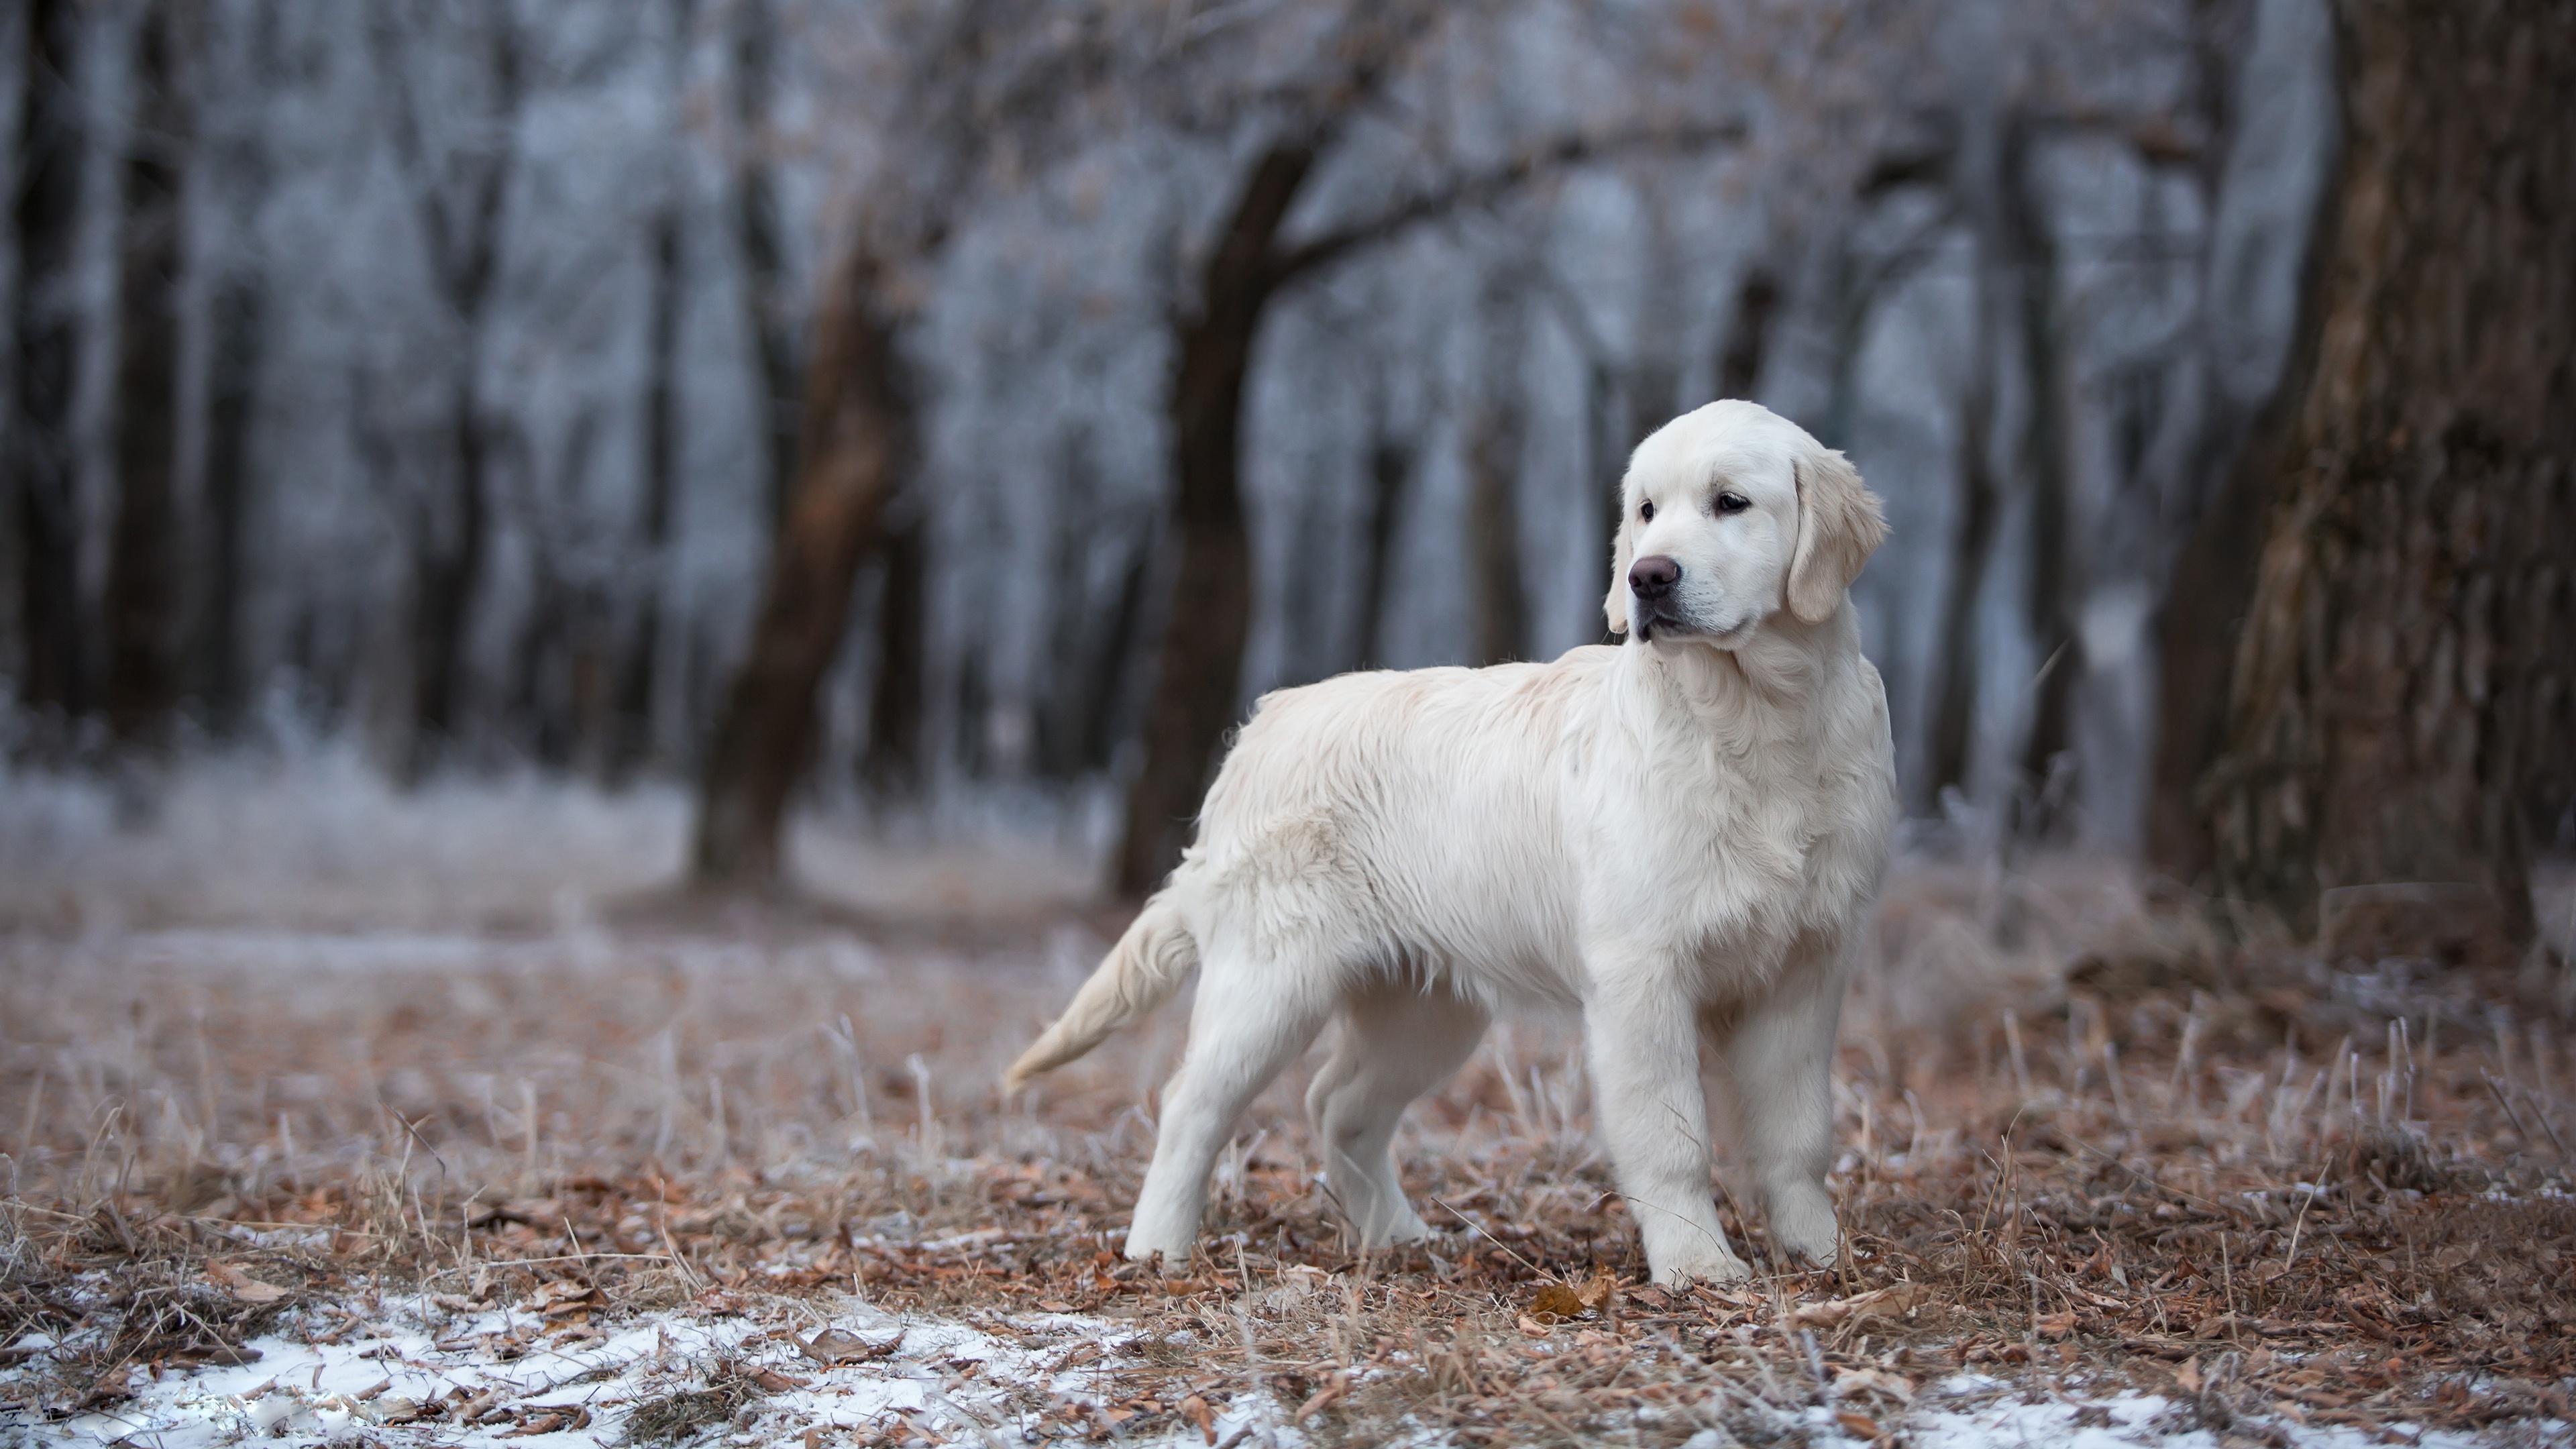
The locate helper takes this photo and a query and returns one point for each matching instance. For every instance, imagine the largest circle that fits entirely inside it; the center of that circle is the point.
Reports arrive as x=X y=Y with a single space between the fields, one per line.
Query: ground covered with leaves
x=2094 y=1158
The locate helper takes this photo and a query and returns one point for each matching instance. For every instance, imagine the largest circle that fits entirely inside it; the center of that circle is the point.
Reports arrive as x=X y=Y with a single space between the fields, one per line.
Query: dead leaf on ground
x=242 y=1286
x=1894 y=1301
x=1561 y=1300
x=1859 y=1426
x=840 y=1346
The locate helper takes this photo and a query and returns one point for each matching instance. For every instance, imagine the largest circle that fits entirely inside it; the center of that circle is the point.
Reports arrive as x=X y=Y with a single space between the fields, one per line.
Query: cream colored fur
x=1679 y=836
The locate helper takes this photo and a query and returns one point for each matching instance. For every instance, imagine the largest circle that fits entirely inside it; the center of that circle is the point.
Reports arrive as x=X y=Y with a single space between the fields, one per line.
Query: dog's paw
x=1407 y=1229
x=1802 y=1226
x=1720 y=1267
x=1172 y=1248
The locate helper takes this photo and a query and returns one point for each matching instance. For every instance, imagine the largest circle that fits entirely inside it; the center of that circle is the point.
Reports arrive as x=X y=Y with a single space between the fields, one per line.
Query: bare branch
x=1484 y=187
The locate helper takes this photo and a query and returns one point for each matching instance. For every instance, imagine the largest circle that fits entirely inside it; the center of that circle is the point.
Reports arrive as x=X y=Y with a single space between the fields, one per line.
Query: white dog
x=1679 y=834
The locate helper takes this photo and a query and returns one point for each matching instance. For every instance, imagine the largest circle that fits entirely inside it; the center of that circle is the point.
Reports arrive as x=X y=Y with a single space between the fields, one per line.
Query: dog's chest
x=1754 y=840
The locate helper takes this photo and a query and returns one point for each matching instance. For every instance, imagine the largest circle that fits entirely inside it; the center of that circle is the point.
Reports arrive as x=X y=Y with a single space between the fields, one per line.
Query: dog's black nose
x=1654 y=577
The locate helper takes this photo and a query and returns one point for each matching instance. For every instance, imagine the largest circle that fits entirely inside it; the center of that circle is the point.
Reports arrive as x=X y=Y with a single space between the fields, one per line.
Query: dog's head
x=1729 y=514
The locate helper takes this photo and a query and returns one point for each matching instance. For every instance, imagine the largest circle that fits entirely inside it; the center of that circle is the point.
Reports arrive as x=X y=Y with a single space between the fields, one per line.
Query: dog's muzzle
x=1651 y=581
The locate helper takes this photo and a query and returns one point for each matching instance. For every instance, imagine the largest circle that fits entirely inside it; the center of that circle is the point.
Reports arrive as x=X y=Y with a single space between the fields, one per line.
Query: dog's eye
x=1646 y=511
x=1733 y=503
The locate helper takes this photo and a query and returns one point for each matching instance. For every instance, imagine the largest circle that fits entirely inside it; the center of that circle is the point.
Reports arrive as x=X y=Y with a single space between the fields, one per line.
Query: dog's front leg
x=1644 y=1045
x=1780 y=1060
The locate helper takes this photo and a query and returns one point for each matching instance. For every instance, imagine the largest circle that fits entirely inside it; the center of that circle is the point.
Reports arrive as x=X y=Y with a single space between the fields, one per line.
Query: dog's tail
x=1141 y=972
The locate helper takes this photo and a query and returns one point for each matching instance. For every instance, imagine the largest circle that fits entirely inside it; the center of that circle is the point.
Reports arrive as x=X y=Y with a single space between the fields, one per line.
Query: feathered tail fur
x=1141 y=972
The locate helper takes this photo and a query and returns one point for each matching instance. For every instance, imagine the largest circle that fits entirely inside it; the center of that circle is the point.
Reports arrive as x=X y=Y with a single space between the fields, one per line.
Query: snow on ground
x=411 y=1373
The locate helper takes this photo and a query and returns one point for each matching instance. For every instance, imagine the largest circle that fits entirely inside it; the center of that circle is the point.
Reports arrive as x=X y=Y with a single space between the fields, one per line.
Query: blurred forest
x=934 y=409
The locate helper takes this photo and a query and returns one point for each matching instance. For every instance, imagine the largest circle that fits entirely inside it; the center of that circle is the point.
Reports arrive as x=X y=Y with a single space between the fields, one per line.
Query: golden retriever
x=1678 y=834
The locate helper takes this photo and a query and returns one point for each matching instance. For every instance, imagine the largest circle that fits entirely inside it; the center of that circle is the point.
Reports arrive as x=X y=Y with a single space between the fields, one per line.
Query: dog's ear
x=1840 y=525
x=1622 y=553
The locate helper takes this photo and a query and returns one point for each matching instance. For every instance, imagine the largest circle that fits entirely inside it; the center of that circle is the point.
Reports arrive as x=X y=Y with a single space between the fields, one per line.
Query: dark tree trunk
x=764 y=255
x=2032 y=257
x=1748 y=334
x=1494 y=453
x=42 y=461
x=1952 y=743
x=893 y=763
x=461 y=198
x=143 y=559
x=1199 y=667
x=2402 y=703
x=238 y=317
x=1390 y=470
x=857 y=437
x=638 y=672
x=448 y=545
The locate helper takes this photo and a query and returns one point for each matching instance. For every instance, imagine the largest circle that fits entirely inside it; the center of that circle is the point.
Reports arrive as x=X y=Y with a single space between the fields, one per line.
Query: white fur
x=1678 y=836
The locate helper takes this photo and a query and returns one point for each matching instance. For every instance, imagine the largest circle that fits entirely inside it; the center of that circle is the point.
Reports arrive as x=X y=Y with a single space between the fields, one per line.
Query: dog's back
x=1411 y=820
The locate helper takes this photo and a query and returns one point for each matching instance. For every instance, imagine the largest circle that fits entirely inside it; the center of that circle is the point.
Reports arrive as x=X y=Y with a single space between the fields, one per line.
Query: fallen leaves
x=1557 y=1301
x=1896 y=1301
x=243 y=1287
x=835 y=1346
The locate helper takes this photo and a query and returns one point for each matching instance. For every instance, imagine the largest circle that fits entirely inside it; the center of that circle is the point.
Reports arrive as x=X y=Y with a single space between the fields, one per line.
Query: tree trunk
x=1199 y=667
x=238 y=316
x=1494 y=452
x=143 y=561
x=1951 y=749
x=893 y=763
x=2032 y=257
x=41 y=458
x=764 y=253
x=639 y=671
x=1390 y=468
x=449 y=543
x=857 y=436
x=2401 y=706
x=636 y=673
x=447 y=569
x=1748 y=334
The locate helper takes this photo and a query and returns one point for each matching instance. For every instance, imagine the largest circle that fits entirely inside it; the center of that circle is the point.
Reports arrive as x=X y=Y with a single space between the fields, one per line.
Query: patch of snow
x=961 y=1381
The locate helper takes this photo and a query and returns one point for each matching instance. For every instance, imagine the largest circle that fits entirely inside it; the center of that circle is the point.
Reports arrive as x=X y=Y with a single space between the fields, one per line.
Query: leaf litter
x=643 y=1190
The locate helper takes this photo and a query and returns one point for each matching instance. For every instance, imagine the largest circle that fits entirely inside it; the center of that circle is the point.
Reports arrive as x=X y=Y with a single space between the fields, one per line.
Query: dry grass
x=2086 y=1147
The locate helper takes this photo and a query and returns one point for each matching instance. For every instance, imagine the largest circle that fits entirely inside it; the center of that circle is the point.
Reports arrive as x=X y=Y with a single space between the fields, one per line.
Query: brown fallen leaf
x=1894 y=1301
x=1323 y=1399
x=1859 y=1425
x=839 y=1346
x=1560 y=1300
x=243 y=1287
x=563 y=1298
x=1196 y=1410
x=776 y=1382
x=2055 y=1325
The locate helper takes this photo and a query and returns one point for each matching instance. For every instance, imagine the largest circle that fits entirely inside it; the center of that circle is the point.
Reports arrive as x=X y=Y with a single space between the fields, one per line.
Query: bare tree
x=461 y=183
x=666 y=242
x=41 y=458
x=2402 y=708
x=1495 y=444
x=143 y=560
x=995 y=74
x=769 y=294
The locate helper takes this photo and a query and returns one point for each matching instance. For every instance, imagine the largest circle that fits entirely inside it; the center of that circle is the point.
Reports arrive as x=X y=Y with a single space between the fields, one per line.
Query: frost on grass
x=2094 y=1161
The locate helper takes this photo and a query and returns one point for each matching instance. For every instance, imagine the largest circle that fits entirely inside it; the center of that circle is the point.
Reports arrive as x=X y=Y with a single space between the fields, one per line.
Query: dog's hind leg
x=1252 y=1018
x=1396 y=1043
x=1780 y=1059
